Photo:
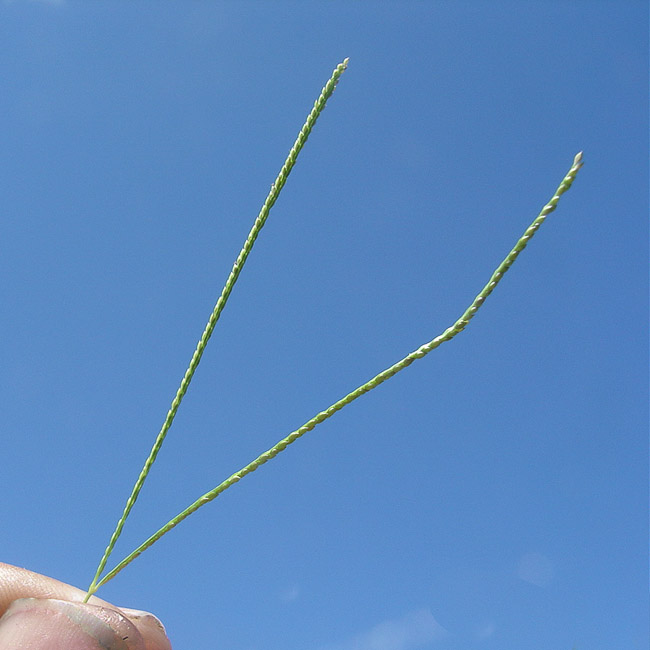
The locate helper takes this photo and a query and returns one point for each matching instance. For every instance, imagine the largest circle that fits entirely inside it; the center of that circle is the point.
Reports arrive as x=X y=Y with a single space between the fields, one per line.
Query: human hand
x=40 y=613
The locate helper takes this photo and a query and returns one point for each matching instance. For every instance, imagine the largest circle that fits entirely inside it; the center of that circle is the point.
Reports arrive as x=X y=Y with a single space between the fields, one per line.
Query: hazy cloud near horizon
x=414 y=630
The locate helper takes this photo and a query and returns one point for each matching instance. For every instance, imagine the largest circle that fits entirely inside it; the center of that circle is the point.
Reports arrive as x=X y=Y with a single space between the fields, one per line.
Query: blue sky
x=493 y=495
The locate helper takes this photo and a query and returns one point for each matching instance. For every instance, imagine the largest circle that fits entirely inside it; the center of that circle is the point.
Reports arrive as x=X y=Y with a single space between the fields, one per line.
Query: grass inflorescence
x=375 y=381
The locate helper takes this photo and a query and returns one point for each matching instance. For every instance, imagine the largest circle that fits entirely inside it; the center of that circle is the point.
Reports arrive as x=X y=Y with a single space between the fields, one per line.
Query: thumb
x=44 y=624
x=38 y=606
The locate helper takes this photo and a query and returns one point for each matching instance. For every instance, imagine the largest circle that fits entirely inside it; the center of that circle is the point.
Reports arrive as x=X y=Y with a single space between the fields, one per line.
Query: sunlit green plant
x=420 y=352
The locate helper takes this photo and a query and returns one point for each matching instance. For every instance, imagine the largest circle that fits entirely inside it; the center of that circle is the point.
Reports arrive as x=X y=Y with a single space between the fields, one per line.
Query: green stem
x=272 y=197
x=423 y=350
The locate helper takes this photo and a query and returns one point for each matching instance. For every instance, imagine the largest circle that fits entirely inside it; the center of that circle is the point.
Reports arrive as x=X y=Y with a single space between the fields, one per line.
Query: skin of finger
x=17 y=583
x=43 y=624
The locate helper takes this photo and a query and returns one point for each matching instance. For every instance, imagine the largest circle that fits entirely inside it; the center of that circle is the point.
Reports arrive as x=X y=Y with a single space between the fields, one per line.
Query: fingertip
x=152 y=630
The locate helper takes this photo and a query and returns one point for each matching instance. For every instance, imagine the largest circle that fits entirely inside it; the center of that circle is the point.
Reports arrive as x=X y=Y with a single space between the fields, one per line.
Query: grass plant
x=378 y=379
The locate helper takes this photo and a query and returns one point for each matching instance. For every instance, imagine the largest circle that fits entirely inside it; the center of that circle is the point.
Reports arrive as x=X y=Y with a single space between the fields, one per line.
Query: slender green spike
x=272 y=197
x=423 y=350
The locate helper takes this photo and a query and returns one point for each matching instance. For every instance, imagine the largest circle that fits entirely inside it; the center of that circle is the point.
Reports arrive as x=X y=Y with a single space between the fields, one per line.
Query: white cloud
x=486 y=631
x=415 y=630
x=536 y=569
x=290 y=594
